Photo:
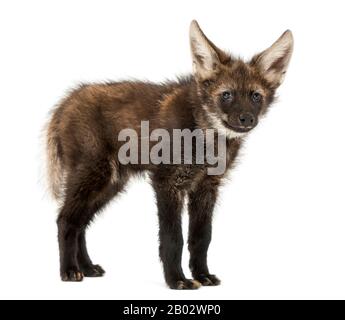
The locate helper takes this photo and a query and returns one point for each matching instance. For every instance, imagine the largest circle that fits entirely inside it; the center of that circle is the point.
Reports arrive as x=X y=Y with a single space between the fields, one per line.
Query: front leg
x=170 y=205
x=201 y=205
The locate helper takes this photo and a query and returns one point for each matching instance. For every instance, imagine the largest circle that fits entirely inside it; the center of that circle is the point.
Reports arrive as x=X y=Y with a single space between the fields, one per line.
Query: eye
x=227 y=96
x=256 y=97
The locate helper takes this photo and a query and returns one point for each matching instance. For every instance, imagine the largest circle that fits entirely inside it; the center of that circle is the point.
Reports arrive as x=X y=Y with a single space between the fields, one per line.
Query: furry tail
x=55 y=171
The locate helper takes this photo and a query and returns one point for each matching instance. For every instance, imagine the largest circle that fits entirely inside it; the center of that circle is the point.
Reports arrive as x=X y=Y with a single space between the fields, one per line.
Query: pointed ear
x=274 y=61
x=206 y=56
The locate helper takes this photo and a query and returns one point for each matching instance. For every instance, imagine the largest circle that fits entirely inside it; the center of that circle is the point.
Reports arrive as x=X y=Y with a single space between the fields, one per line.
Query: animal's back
x=85 y=125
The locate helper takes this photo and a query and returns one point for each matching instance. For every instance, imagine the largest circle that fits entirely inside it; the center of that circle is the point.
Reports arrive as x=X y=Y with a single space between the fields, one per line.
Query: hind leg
x=88 y=190
x=67 y=235
x=85 y=264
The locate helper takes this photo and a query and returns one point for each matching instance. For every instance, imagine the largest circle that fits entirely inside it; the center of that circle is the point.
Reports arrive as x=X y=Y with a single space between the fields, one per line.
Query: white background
x=279 y=230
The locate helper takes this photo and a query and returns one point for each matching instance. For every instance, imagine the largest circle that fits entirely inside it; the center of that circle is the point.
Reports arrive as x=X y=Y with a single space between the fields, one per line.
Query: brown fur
x=85 y=172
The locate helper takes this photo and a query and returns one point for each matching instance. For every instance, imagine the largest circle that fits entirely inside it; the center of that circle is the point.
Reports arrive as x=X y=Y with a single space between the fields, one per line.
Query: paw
x=72 y=275
x=185 y=285
x=93 y=271
x=208 y=280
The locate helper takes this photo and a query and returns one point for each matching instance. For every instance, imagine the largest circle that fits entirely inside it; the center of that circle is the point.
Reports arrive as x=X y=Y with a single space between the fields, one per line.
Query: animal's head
x=234 y=93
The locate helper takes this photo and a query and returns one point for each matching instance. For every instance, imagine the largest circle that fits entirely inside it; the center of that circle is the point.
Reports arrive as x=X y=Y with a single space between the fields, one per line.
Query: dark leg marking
x=201 y=206
x=170 y=204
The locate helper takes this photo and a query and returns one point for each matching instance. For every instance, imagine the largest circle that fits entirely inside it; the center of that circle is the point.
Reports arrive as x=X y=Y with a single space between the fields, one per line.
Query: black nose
x=247 y=120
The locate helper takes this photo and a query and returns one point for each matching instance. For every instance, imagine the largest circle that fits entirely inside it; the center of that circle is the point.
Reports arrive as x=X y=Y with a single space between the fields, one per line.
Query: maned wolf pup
x=224 y=93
